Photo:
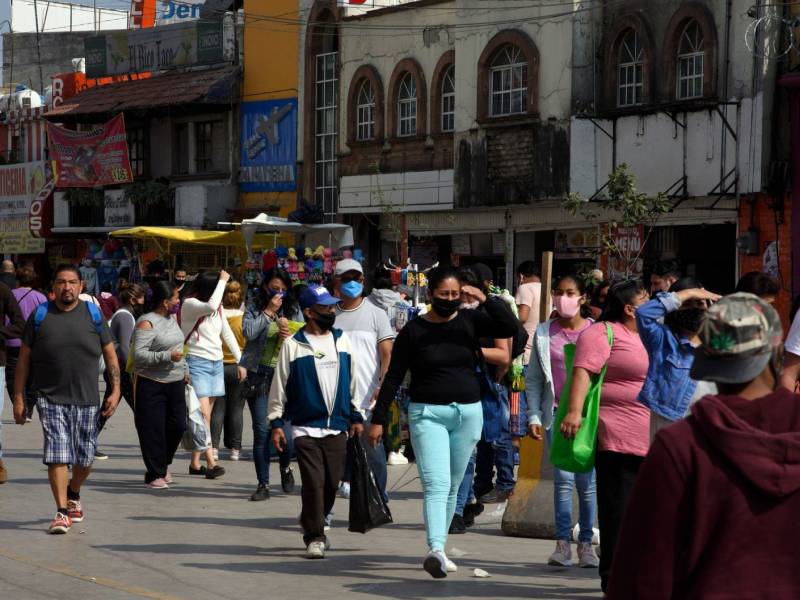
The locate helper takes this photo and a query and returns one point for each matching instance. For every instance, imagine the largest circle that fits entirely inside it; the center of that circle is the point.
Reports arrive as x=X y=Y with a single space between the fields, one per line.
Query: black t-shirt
x=443 y=357
x=65 y=355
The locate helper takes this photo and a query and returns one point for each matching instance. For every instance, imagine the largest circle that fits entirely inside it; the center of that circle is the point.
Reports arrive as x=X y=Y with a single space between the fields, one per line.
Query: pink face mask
x=567 y=306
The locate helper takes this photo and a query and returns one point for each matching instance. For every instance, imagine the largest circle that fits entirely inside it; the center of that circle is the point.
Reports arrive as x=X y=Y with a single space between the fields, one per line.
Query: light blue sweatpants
x=444 y=437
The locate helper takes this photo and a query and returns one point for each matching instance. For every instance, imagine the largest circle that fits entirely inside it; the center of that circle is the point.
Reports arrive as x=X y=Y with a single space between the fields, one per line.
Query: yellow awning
x=199 y=236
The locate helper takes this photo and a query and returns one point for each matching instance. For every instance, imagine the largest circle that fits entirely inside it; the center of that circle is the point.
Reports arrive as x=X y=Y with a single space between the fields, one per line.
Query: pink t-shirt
x=560 y=337
x=529 y=294
x=624 y=421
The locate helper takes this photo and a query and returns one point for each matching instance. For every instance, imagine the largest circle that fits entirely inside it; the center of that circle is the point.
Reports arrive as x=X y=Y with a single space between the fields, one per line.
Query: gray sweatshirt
x=152 y=349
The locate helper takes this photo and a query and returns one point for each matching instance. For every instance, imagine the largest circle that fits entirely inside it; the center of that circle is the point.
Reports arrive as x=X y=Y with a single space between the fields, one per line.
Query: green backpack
x=577 y=456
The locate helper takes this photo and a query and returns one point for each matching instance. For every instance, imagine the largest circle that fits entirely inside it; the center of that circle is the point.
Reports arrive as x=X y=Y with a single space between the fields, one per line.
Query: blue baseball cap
x=316 y=294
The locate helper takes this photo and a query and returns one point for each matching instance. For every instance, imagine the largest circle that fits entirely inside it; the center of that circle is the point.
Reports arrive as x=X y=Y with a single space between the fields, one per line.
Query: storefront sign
x=142 y=15
x=23 y=192
x=155 y=49
x=119 y=211
x=577 y=243
x=460 y=244
x=268 y=146
x=625 y=263
x=178 y=11
x=90 y=158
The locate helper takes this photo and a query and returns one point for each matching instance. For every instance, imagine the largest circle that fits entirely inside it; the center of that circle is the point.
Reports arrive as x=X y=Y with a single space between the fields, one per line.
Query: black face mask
x=690 y=319
x=138 y=309
x=445 y=308
x=325 y=321
x=179 y=282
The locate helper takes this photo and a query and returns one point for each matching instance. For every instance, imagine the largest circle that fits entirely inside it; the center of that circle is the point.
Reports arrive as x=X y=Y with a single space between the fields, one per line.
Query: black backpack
x=519 y=341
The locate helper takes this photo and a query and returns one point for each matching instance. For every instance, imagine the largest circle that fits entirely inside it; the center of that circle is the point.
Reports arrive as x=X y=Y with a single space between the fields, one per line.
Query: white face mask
x=470 y=305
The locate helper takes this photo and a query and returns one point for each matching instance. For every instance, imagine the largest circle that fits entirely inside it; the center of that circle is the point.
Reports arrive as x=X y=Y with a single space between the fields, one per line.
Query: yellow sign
x=21 y=242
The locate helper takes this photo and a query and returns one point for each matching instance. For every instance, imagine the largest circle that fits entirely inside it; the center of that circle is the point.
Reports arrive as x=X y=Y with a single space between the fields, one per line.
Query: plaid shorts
x=70 y=433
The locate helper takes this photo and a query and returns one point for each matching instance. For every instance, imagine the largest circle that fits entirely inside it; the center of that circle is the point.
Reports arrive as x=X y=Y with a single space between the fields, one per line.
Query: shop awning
x=333 y=235
x=193 y=236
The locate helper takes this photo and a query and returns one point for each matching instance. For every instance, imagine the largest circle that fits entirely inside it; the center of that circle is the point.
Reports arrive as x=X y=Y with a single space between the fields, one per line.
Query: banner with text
x=268 y=146
x=90 y=158
x=155 y=49
x=24 y=220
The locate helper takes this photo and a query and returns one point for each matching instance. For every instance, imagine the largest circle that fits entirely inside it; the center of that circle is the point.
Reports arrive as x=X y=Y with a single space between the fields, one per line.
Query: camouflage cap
x=738 y=337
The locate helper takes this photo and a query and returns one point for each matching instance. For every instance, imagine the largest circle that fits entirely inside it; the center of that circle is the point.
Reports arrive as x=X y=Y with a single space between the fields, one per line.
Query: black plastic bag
x=367 y=507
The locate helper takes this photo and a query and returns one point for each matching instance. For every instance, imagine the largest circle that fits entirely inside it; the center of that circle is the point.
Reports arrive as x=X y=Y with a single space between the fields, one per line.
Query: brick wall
x=768 y=231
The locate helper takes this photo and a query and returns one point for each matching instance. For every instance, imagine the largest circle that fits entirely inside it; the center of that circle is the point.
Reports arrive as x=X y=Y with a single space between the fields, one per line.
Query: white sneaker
x=215 y=451
x=315 y=550
x=562 y=557
x=344 y=490
x=435 y=564
x=235 y=454
x=587 y=559
x=449 y=565
x=328 y=521
x=396 y=458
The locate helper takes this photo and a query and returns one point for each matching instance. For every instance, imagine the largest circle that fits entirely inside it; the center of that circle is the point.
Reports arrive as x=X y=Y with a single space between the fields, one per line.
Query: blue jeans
x=564 y=482
x=257 y=402
x=465 y=491
x=444 y=437
x=497 y=454
x=376 y=457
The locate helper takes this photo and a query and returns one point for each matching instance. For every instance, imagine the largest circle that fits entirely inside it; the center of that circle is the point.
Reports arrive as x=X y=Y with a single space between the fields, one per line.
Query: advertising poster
x=90 y=158
x=269 y=146
x=25 y=212
x=625 y=264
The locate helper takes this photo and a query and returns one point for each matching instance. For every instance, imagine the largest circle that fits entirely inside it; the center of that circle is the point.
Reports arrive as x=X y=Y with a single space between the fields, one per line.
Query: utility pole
x=38 y=46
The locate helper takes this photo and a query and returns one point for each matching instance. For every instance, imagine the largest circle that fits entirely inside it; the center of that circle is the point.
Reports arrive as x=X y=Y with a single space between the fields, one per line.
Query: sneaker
x=328 y=522
x=435 y=564
x=235 y=454
x=562 y=557
x=261 y=493
x=100 y=455
x=587 y=559
x=168 y=477
x=215 y=451
x=470 y=512
x=344 y=490
x=75 y=511
x=214 y=472
x=315 y=550
x=287 y=480
x=61 y=523
x=457 y=525
x=496 y=497
x=450 y=566
x=3 y=473
x=158 y=484
x=396 y=458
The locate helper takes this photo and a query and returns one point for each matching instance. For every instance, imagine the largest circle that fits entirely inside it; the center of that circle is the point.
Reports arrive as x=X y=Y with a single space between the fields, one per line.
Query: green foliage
x=149 y=192
x=84 y=196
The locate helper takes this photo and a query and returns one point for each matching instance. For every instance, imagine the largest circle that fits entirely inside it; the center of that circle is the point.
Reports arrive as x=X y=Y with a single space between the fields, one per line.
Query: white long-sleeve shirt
x=206 y=341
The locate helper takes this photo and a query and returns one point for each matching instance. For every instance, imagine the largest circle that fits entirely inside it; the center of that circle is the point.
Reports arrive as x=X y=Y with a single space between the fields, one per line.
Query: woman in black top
x=442 y=350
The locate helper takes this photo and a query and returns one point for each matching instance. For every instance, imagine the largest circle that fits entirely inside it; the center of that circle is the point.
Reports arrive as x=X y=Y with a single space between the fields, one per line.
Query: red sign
x=142 y=15
x=90 y=158
x=40 y=216
x=626 y=262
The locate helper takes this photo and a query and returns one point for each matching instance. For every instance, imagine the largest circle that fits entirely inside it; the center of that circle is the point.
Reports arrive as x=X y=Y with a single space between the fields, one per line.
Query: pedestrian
x=623 y=433
x=528 y=297
x=315 y=387
x=28 y=299
x=61 y=348
x=761 y=284
x=719 y=492
x=160 y=373
x=227 y=412
x=544 y=384
x=179 y=278
x=11 y=326
x=107 y=301
x=267 y=323
x=7 y=276
x=445 y=416
x=205 y=330
x=599 y=296
x=669 y=327
x=663 y=275
x=371 y=335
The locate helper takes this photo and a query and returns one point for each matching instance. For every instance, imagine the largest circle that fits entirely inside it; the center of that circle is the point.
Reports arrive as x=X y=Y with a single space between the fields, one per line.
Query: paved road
x=203 y=539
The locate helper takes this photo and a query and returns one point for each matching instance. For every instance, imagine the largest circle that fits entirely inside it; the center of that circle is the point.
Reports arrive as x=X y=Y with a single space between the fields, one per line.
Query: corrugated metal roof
x=209 y=86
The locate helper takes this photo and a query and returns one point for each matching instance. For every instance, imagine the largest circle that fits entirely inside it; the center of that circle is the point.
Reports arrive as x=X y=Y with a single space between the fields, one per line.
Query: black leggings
x=160 y=417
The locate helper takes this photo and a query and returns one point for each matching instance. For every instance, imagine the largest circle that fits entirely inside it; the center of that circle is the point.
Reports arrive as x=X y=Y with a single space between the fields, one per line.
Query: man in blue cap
x=315 y=389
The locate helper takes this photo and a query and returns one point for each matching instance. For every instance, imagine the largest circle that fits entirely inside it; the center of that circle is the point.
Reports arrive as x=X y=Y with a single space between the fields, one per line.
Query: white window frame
x=508 y=76
x=365 y=112
x=690 y=68
x=407 y=106
x=448 y=103
x=630 y=70
x=326 y=135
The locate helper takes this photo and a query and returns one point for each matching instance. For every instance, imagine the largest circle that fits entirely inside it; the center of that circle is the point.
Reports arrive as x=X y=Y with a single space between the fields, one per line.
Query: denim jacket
x=539 y=380
x=668 y=388
x=255 y=327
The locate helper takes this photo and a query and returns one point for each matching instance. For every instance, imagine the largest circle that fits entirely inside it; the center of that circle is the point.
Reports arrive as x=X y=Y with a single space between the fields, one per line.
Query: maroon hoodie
x=715 y=511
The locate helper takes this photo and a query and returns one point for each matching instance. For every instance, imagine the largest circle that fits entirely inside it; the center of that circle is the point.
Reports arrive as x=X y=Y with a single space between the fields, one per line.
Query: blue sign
x=269 y=146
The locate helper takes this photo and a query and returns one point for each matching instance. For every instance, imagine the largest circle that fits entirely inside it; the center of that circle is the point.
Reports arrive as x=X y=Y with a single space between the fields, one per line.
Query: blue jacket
x=296 y=395
x=668 y=388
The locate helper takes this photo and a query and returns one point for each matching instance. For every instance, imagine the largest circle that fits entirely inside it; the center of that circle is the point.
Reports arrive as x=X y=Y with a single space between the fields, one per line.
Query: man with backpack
x=62 y=344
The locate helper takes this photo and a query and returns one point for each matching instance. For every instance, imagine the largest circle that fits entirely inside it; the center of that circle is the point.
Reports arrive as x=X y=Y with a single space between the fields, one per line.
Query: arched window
x=407 y=106
x=630 y=70
x=691 y=57
x=365 y=112
x=508 y=73
x=448 y=113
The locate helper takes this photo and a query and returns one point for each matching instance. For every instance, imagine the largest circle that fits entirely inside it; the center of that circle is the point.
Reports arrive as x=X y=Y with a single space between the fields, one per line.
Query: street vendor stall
x=332 y=235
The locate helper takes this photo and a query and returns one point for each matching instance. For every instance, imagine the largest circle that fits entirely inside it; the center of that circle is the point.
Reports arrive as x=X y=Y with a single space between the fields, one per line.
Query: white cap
x=347 y=264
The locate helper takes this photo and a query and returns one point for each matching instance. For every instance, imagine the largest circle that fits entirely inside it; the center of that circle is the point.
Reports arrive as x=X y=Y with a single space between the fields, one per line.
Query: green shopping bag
x=577 y=456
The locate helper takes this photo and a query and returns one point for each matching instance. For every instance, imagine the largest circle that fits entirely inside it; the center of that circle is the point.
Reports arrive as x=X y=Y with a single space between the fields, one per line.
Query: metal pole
x=38 y=47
